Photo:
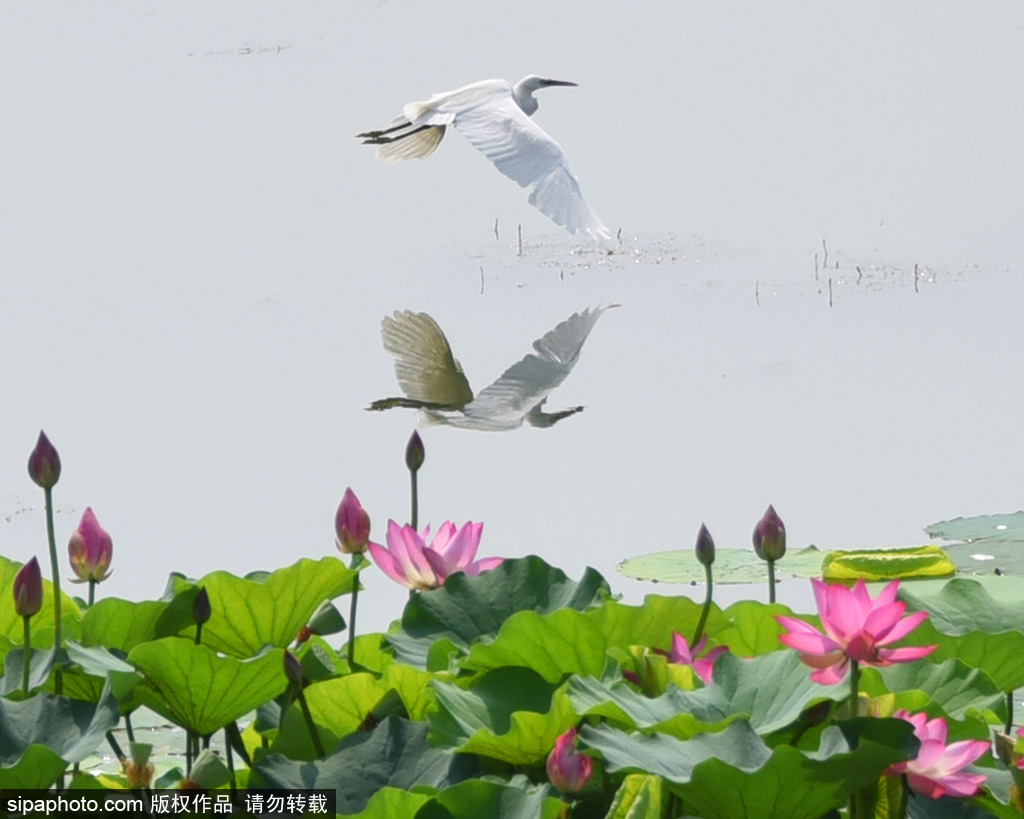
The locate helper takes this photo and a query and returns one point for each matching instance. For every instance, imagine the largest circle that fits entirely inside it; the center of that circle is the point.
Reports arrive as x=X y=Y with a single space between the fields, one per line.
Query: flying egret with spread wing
x=494 y=116
x=433 y=380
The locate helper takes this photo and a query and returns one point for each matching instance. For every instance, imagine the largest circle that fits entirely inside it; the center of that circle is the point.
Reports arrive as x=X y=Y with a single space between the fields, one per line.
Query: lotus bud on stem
x=352 y=530
x=28 y=600
x=44 y=470
x=705 y=549
x=770 y=544
x=90 y=550
x=201 y=612
x=415 y=454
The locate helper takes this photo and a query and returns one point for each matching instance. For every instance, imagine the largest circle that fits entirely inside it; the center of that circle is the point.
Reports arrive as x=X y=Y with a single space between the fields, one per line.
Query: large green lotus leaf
x=731 y=566
x=950 y=686
x=343 y=705
x=476 y=798
x=640 y=796
x=572 y=642
x=394 y=754
x=887 y=564
x=468 y=608
x=733 y=773
x=979 y=624
x=200 y=690
x=249 y=613
x=987 y=529
x=392 y=803
x=510 y=714
x=770 y=692
x=39 y=732
x=752 y=628
x=40 y=625
x=122 y=624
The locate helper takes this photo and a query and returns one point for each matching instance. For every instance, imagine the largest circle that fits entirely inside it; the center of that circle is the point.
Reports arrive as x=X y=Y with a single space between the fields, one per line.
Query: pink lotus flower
x=352 y=525
x=90 y=549
x=856 y=628
x=44 y=463
x=569 y=771
x=702 y=666
x=936 y=770
x=410 y=561
x=28 y=589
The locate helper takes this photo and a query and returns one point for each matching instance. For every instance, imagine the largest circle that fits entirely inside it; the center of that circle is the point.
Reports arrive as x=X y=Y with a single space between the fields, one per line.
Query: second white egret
x=494 y=116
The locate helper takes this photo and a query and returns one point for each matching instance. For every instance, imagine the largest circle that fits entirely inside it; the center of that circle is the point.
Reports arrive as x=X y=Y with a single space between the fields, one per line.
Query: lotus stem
x=1009 y=711
x=27 y=659
x=92 y=591
x=310 y=725
x=58 y=680
x=414 y=512
x=771 y=581
x=357 y=562
x=704 y=611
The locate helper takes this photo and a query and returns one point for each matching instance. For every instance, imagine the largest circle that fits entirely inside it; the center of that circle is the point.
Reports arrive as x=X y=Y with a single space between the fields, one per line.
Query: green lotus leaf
x=950 y=686
x=200 y=690
x=40 y=736
x=986 y=529
x=393 y=754
x=769 y=692
x=468 y=608
x=511 y=714
x=887 y=564
x=476 y=798
x=731 y=566
x=640 y=796
x=262 y=609
x=393 y=803
x=343 y=705
x=752 y=628
x=121 y=624
x=734 y=773
x=571 y=642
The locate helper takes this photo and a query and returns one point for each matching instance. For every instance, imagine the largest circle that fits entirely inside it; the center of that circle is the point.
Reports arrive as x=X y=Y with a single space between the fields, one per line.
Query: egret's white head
x=523 y=91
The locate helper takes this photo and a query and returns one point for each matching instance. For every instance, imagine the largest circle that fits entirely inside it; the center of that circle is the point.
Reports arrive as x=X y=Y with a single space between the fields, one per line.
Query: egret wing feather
x=529 y=381
x=424 y=365
x=525 y=153
x=408 y=142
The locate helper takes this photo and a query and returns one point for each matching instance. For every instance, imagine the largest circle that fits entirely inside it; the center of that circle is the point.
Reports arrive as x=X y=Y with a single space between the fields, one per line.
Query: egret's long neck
x=524 y=99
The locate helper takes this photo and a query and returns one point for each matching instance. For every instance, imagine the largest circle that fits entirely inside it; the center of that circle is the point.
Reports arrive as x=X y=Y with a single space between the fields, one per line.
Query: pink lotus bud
x=352 y=525
x=770 y=536
x=28 y=589
x=414 y=452
x=44 y=463
x=705 y=547
x=90 y=549
x=569 y=771
x=292 y=668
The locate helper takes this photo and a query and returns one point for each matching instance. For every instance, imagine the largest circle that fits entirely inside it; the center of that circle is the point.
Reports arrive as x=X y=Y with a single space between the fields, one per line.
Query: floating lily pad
x=987 y=544
x=731 y=566
x=887 y=564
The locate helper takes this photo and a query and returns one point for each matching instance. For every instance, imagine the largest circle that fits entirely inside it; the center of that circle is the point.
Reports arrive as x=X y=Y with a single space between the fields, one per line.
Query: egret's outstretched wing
x=424 y=364
x=521 y=150
x=527 y=382
x=402 y=140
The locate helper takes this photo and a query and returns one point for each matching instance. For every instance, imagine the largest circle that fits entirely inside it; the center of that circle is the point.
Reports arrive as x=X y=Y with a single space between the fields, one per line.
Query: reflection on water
x=434 y=383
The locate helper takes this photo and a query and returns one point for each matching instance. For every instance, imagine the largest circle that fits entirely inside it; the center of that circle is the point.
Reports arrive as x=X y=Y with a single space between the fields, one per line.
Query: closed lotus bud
x=292 y=668
x=770 y=536
x=90 y=549
x=352 y=525
x=201 y=607
x=28 y=589
x=414 y=452
x=44 y=463
x=705 y=547
x=567 y=770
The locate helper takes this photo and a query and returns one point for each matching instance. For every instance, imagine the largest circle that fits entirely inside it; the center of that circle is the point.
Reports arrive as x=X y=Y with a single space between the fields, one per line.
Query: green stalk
x=414 y=517
x=771 y=581
x=26 y=660
x=58 y=680
x=357 y=561
x=704 y=611
x=310 y=726
x=1009 y=711
x=231 y=763
x=92 y=591
x=854 y=686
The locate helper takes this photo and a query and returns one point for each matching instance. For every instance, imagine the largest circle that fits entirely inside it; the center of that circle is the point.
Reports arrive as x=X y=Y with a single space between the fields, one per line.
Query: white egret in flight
x=494 y=116
x=433 y=380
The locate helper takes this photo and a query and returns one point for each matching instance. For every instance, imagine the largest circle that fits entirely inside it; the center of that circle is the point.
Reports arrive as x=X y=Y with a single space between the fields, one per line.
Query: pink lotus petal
x=810 y=643
x=903 y=627
x=830 y=675
x=483 y=565
x=888 y=656
x=386 y=563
